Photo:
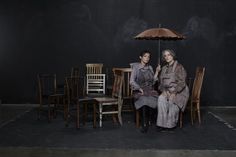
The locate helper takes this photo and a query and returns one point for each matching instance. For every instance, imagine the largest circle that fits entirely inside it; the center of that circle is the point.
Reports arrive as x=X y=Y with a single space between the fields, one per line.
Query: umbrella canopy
x=159 y=34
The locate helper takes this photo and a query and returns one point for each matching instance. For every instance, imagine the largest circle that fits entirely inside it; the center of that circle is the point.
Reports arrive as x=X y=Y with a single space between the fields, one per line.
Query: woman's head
x=145 y=56
x=168 y=55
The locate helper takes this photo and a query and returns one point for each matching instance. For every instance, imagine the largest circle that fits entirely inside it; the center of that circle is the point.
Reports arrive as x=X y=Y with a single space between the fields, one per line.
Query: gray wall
x=53 y=36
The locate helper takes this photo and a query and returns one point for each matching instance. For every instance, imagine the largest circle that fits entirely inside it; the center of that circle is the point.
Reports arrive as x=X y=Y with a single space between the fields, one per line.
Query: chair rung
x=109 y=103
x=110 y=112
x=95 y=80
x=95 y=90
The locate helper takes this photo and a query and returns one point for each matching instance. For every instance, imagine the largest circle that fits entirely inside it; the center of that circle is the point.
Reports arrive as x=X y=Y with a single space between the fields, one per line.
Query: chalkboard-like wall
x=53 y=36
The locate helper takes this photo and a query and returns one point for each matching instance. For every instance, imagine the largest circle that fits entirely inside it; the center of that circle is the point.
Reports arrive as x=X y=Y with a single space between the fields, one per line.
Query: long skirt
x=168 y=113
x=150 y=101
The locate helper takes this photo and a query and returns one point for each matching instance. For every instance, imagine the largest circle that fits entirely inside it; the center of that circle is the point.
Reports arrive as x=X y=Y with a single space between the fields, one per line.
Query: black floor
x=19 y=127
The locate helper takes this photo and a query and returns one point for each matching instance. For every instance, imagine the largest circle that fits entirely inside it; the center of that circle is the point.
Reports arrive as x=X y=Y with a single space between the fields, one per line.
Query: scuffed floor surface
x=22 y=130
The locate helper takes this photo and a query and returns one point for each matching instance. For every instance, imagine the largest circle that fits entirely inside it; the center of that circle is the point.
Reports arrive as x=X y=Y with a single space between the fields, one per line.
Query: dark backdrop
x=51 y=36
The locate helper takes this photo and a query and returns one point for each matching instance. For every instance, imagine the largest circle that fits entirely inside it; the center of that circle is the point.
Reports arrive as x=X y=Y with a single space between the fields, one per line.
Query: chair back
x=197 y=84
x=75 y=72
x=95 y=80
x=47 y=84
x=95 y=68
x=95 y=84
x=126 y=90
x=72 y=89
x=117 y=83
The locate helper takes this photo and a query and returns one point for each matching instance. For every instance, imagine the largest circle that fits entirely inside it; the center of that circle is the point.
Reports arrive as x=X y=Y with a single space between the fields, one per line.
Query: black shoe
x=144 y=129
x=159 y=129
x=171 y=130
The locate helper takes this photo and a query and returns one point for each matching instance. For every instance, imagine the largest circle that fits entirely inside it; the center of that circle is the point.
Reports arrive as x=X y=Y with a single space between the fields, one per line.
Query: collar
x=138 y=65
x=174 y=63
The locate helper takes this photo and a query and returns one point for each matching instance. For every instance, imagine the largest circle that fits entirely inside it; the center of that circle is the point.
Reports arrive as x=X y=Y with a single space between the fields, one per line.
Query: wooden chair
x=95 y=87
x=48 y=94
x=71 y=96
x=74 y=99
x=196 y=92
x=194 y=99
x=114 y=102
x=75 y=72
x=126 y=90
x=127 y=94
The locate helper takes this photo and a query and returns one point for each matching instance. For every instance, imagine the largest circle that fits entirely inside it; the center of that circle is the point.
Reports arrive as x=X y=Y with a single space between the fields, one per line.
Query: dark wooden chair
x=75 y=72
x=196 y=92
x=48 y=94
x=74 y=99
x=113 y=103
x=194 y=99
x=127 y=95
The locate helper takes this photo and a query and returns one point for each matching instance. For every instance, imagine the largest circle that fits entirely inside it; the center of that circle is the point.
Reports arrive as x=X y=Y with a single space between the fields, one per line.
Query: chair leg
x=118 y=115
x=119 y=112
x=65 y=110
x=191 y=112
x=49 y=109
x=137 y=118
x=100 y=114
x=85 y=106
x=55 y=107
x=66 y=113
x=49 y=113
x=94 y=115
x=114 y=118
x=198 y=112
x=77 y=119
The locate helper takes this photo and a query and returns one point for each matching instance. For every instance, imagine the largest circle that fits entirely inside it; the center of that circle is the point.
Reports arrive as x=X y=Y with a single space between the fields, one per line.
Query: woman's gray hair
x=172 y=53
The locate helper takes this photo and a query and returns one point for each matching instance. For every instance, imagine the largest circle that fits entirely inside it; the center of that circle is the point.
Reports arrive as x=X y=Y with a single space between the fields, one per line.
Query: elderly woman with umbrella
x=172 y=85
x=174 y=91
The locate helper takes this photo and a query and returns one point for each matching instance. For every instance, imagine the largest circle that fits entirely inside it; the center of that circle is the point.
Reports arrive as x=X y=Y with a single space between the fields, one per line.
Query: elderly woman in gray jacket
x=142 y=80
x=174 y=91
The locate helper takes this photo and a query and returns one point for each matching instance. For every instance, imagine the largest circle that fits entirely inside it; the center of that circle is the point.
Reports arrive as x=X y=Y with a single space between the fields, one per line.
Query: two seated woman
x=173 y=92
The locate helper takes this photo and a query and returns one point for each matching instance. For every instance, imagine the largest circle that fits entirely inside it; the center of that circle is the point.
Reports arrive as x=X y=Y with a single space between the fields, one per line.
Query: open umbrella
x=159 y=34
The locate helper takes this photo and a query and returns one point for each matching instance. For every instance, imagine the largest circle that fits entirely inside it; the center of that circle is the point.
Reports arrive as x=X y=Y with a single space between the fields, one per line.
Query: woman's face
x=145 y=58
x=168 y=57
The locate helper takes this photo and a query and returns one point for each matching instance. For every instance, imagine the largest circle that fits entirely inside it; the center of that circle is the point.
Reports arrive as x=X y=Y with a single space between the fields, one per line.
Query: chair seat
x=85 y=99
x=95 y=95
x=105 y=99
x=108 y=101
x=56 y=95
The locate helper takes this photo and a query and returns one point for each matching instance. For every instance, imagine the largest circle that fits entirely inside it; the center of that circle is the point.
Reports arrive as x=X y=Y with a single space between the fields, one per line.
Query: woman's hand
x=141 y=91
x=164 y=94
x=158 y=68
x=172 y=95
x=169 y=96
